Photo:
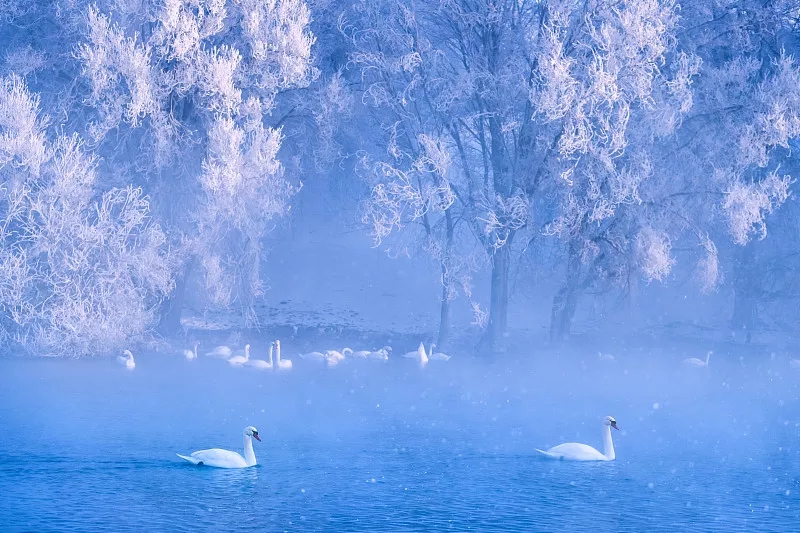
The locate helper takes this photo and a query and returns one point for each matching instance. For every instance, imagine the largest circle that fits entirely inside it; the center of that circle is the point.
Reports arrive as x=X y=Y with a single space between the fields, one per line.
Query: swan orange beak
x=255 y=436
x=614 y=425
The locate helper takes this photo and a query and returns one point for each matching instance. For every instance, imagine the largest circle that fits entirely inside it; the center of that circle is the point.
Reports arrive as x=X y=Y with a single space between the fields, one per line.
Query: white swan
x=334 y=357
x=437 y=356
x=605 y=357
x=583 y=452
x=694 y=361
x=191 y=355
x=313 y=356
x=226 y=458
x=261 y=364
x=239 y=360
x=382 y=354
x=127 y=359
x=282 y=365
x=418 y=354
x=220 y=352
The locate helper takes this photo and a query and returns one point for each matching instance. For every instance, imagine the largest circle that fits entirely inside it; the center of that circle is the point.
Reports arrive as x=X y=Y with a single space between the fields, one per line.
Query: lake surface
x=88 y=446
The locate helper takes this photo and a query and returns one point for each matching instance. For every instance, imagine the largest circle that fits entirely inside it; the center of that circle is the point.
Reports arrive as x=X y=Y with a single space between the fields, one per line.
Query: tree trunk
x=745 y=292
x=565 y=301
x=444 y=319
x=498 y=306
x=169 y=322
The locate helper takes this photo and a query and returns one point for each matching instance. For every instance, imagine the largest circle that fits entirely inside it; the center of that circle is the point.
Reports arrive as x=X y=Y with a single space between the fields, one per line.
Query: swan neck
x=708 y=356
x=249 y=454
x=271 y=347
x=608 y=444
x=278 y=353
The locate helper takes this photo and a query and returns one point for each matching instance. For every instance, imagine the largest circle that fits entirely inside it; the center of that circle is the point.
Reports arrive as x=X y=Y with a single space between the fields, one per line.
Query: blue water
x=87 y=446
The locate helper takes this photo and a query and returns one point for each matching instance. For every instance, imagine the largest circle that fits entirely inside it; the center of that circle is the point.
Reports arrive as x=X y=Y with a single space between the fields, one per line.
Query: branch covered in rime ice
x=747 y=204
x=82 y=272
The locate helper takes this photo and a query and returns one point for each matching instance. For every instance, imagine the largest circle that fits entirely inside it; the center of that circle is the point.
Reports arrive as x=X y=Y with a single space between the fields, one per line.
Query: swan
x=220 y=352
x=418 y=354
x=605 y=357
x=694 y=361
x=382 y=354
x=313 y=356
x=437 y=356
x=224 y=458
x=282 y=365
x=239 y=360
x=191 y=355
x=583 y=452
x=261 y=364
x=127 y=359
x=334 y=357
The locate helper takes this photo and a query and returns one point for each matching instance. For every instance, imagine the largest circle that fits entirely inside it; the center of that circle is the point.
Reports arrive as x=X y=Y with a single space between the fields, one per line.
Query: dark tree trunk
x=444 y=319
x=169 y=322
x=745 y=292
x=498 y=306
x=565 y=301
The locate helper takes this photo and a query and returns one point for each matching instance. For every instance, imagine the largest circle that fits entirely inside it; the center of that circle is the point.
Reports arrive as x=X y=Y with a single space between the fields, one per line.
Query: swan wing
x=362 y=354
x=439 y=357
x=238 y=360
x=574 y=451
x=223 y=352
x=258 y=363
x=216 y=457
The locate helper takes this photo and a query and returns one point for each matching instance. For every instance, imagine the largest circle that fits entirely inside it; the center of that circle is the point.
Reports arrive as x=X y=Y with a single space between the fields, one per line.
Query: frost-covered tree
x=82 y=268
x=194 y=89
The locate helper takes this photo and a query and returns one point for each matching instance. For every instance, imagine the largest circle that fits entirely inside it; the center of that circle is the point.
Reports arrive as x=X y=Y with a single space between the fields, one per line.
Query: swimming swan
x=127 y=359
x=583 y=452
x=418 y=354
x=437 y=356
x=261 y=364
x=191 y=355
x=282 y=365
x=224 y=458
x=220 y=352
x=239 y=360
x=694 y=361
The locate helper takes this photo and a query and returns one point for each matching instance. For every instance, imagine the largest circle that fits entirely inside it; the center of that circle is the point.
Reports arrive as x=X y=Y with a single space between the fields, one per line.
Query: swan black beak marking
x=255 y=436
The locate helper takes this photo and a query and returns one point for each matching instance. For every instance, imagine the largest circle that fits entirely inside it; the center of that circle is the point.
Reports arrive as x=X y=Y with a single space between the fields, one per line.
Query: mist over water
x=385 y=446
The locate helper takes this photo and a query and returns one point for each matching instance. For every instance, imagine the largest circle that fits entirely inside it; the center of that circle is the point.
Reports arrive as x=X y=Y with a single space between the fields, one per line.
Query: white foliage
x=708 y=269
x=653 y=249
x=82 y=274
x=747 y=204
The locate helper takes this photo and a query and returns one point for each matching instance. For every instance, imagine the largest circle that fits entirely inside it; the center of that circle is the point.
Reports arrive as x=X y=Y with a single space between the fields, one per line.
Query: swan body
x=127 y=359
x=699 y=363
x=191 y=355
x=334 y=357
x=239 y=360
x=419 y=354
x=382 y=354
x=574 y=451
x=261 y=364
x=220 y=352
x=313 y=356
x=605 y=357
x=282 y=365
x=220 y=458
x=437 y=356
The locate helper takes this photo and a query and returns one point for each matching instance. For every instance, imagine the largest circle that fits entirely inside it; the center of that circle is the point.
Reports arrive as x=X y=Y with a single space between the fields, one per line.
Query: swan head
x=387 y=349
x=610 y=421
x=250 y=431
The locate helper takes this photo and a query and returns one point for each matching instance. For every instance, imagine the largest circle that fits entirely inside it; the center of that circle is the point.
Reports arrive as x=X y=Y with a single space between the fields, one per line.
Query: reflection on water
x=85 y=447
